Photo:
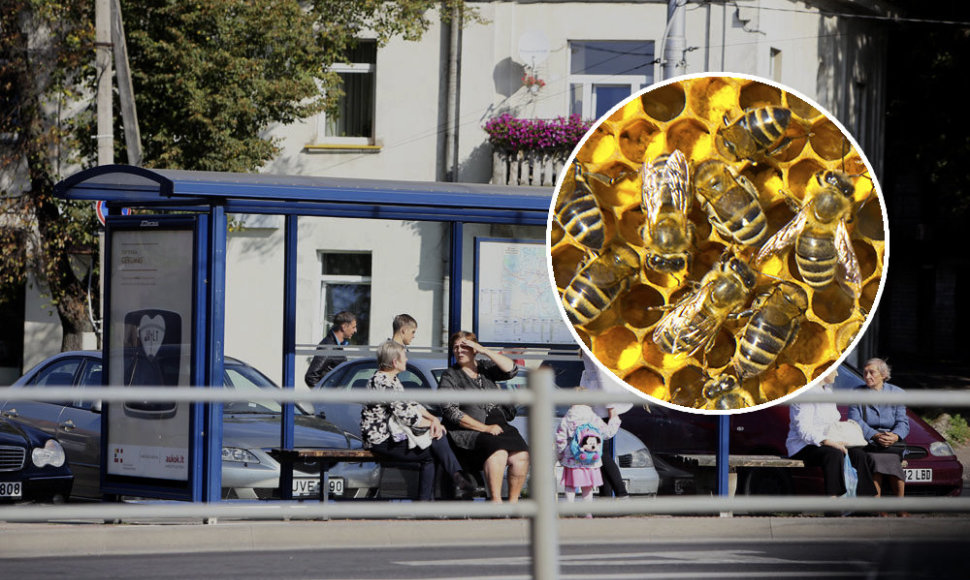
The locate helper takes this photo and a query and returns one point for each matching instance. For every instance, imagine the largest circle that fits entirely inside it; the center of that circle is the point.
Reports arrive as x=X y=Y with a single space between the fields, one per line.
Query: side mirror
x=96 y=407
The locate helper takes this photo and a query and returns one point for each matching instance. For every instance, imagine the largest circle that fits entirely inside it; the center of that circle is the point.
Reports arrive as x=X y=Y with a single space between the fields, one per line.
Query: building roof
x=129 y=186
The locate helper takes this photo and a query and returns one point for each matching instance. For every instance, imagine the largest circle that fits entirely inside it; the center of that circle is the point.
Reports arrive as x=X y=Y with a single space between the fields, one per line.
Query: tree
x=210 y=77
x=45 y=66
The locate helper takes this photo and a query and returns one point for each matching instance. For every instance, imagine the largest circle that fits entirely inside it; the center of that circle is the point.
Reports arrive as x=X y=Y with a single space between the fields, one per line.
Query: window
x=345 y=280
x=355 y=123
x=603 y=73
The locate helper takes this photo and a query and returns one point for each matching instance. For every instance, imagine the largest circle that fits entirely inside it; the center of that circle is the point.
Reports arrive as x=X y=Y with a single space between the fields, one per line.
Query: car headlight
x=639 y=458
x=238 y=455
x=941 y=449
x=50 y=454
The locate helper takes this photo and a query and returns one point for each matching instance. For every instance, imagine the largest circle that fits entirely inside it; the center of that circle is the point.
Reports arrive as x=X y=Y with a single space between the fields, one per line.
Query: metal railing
x=542 y=506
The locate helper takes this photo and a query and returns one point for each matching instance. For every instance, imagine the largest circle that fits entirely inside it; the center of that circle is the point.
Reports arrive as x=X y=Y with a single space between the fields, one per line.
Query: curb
x=97 y=539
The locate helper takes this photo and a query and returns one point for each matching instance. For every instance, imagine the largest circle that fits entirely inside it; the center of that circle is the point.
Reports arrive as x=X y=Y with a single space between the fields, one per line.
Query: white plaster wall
x=254 y=296
x=407 y=122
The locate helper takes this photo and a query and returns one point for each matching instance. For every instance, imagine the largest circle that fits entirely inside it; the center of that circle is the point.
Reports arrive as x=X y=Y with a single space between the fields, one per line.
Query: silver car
x=250 y=430
x=633 y=457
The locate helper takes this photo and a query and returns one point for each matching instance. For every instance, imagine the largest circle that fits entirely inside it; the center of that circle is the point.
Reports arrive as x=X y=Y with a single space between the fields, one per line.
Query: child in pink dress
x=579 y=445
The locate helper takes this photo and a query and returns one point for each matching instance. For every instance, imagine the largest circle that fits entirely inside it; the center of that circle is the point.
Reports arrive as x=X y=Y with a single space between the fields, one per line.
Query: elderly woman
x=406 y=431
x=481 y=430
x=808 y=440
x=884 y=427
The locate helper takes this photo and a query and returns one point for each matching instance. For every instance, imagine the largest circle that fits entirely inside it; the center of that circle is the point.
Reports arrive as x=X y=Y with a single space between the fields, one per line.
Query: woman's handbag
x=848 y=432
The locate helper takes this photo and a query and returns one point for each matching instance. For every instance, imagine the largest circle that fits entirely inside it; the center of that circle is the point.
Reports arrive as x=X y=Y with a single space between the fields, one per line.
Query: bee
x=665 y=200
x=755 y=135
x=595 y=287
x=776 y=316
x=731 y=202
x=695 y=320
x=823 y=249
x=724 y=392
x=580 y=215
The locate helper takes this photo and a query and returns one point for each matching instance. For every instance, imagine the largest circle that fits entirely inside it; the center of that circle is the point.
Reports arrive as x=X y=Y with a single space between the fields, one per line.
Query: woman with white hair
x=406 y=430
x=885 y=427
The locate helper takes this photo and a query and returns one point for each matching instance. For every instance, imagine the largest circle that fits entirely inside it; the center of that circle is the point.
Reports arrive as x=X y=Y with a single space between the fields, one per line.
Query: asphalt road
x=644 y=560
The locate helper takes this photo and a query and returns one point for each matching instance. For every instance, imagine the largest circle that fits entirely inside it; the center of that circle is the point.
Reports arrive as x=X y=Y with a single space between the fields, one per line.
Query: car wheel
x=766 y=481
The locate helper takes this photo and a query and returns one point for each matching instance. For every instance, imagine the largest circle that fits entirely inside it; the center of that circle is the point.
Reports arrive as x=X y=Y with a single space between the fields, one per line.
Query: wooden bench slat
x=710 y=460
x=318 y=453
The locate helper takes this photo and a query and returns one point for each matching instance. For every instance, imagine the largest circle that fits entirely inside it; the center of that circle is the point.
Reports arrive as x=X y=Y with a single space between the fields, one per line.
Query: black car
x=32 y=465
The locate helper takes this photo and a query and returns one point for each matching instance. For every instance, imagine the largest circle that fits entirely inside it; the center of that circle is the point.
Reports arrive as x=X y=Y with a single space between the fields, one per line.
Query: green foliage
x=46 y=68
x=212 y=76
x=958 y=432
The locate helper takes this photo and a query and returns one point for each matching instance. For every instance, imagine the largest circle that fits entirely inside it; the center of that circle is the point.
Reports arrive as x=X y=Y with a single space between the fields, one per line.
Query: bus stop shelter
x=201 y=202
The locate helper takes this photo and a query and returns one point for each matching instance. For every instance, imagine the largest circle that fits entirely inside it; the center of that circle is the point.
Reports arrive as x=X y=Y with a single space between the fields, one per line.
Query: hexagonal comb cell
x=792 y=183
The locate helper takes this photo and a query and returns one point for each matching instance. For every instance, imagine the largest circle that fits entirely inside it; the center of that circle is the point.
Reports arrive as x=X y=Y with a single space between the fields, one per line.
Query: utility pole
x=126 y=92
x=102 y=61
x=674 y=62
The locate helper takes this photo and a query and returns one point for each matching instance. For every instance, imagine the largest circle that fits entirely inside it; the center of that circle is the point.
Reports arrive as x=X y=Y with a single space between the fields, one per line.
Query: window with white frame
x=604 y=72
x=345 y=284
x=354 y=125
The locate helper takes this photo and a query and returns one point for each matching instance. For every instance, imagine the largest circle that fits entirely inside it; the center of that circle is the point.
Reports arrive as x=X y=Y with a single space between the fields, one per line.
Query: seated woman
x=405 y=430
x=884 y=427
x=808 y=441
x=481 y=430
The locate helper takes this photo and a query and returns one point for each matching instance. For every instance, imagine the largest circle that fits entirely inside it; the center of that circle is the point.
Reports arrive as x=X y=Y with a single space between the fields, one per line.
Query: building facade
x=397 y=123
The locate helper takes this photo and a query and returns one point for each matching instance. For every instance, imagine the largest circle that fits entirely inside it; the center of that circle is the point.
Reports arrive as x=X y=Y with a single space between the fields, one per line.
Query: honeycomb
x=687 y=115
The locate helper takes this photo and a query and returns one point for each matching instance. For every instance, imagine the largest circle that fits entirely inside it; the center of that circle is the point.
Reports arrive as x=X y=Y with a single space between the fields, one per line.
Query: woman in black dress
x=481 y=430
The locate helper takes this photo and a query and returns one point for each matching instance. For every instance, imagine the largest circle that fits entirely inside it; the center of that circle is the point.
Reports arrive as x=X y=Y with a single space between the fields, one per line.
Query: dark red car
x=931 y=467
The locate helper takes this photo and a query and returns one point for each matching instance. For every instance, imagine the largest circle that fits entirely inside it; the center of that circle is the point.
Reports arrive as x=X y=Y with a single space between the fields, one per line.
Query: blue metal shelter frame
x=218 y=194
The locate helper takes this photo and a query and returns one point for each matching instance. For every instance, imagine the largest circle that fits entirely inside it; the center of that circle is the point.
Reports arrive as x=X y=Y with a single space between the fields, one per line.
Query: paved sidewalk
x=18 y=540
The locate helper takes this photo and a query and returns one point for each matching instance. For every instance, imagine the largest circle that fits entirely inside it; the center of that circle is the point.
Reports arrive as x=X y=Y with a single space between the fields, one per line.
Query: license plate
x=10 y=489
x=311 y=487
x=915 y=475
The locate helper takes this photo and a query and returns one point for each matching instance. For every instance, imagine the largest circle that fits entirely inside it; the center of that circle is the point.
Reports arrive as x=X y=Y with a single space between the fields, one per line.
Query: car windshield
x=247 y=379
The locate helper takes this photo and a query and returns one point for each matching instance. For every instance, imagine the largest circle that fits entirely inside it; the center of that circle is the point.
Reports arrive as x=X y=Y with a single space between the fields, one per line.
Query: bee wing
x=747 y=186
x=784 y=237
x=681 y=315
x=601 y=274
x=677 y=177
x=851 y=276
x=651 y=193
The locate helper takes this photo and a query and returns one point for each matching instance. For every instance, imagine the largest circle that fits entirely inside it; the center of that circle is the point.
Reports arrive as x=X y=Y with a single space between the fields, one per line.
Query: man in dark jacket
x=344 y=327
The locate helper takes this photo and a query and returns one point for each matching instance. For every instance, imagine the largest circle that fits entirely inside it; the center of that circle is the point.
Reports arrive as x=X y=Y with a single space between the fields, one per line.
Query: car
x=931 y=467
x=250 y=430
x=633 y=457
x=32 y=465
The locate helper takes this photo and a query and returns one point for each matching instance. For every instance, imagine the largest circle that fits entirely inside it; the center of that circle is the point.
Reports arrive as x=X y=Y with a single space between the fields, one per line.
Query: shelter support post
x=289 y=347
x=215 y=346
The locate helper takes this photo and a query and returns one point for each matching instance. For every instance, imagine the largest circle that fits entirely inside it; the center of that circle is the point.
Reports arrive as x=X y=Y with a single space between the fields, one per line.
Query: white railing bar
x=205 y=394
x=945 y=398
x=913 y=397
x=276 y=510
x=367 y=351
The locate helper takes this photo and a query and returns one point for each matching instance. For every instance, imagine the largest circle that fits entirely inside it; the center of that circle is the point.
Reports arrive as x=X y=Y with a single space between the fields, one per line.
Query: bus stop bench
x=327 y=458
x=736 y=462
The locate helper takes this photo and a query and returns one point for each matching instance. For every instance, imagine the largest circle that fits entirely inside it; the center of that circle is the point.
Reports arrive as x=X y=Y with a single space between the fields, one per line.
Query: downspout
x=451 y=114
x=676 y=39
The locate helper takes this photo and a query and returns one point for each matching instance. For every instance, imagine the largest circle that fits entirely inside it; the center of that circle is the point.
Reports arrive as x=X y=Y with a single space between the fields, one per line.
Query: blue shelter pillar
x=455 y=277
x=723 y=452
x=215 y=347
x=287 y=438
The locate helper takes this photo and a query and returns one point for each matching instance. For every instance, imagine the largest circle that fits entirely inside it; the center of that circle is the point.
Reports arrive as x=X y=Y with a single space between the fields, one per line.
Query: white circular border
x=875 y=182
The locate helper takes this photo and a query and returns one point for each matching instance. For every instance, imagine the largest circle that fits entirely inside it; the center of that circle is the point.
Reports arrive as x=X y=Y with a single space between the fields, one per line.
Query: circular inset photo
x=718 y=242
